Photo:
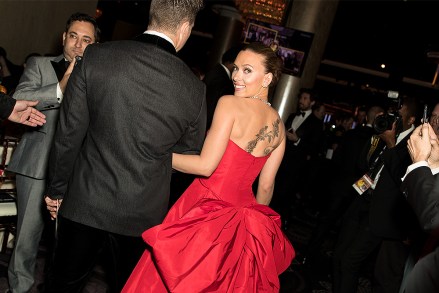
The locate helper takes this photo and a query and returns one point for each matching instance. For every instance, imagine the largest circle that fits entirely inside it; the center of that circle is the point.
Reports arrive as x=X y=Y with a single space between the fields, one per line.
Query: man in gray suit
x=128 y=106
x=44 y=79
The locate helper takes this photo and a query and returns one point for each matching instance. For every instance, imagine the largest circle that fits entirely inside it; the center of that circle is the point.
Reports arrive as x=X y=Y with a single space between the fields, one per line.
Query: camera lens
x=381 y=124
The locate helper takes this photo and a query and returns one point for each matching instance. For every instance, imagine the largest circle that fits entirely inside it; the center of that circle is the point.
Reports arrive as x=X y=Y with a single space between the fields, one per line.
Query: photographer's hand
x=420 y=146
x=389 y=136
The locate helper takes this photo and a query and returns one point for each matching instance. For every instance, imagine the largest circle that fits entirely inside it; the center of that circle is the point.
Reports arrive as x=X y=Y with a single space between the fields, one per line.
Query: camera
x=384 y=122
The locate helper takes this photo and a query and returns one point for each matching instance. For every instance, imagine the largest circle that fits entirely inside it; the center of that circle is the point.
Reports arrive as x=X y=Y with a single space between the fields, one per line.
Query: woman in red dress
x=219 y=236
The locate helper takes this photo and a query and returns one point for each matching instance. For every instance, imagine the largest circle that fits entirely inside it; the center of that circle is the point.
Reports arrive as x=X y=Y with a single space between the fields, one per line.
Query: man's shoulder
x=216 y=72
x=112 y=45
x=312 y=119
x=45 y=59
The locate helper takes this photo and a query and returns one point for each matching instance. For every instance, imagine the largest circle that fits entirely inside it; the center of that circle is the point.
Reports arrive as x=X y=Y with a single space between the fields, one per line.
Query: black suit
x=128 y=106
x=218 y=84
x=372 y=217
x=422 y=190
x=7 y=104
x=310 y=133
x=294 y=162
x=344 y=172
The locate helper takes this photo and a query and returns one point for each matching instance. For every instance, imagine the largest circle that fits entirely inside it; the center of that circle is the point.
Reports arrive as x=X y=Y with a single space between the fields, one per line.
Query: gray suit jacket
x=128 y=105
x=38 y=82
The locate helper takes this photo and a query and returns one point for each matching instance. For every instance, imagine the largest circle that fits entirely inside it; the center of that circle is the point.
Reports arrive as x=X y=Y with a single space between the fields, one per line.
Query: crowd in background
x=340 y=165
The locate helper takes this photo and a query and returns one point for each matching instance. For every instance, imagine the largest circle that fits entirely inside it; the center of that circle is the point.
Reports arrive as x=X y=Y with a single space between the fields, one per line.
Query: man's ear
x=183 y=33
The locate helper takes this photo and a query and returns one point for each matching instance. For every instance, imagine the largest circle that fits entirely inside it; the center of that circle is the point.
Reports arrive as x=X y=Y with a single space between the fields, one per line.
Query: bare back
x=257 y=128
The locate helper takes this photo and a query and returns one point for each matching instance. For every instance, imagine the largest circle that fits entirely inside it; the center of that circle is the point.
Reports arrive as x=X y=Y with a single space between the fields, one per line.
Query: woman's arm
x=214 y=146
x=268 y=175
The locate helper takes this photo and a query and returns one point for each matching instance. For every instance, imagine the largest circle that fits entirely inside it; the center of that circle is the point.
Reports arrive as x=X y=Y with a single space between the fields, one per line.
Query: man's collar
x=162 y=35
x=157 y=41
x=405 y=133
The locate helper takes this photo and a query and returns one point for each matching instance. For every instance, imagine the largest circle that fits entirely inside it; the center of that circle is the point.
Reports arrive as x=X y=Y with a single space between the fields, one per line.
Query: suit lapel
x=59 y=67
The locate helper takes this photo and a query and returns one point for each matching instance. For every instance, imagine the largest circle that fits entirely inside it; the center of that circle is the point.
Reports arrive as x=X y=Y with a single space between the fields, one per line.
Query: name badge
x=363 y=184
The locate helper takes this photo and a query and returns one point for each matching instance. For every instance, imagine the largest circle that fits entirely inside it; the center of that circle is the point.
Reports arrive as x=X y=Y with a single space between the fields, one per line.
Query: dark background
x=364 y=34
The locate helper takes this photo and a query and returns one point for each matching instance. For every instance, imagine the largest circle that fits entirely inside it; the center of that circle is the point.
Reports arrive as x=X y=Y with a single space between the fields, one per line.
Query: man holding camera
x=379 y=216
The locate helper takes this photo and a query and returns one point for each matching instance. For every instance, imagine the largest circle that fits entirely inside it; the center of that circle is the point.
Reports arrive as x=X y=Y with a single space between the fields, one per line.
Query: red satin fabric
x=216 y=238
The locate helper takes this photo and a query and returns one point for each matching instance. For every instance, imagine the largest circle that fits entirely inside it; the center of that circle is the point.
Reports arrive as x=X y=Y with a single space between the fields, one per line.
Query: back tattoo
x=265 y=134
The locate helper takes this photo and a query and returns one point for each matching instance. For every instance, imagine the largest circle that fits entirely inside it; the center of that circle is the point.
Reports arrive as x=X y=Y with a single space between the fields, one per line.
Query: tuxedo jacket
x=421 y=188
x=346 y=167
x=311 y=137
x=390 y=215
x=127 y=107
x=6 y=106
x=38 y=82
x=218 y=84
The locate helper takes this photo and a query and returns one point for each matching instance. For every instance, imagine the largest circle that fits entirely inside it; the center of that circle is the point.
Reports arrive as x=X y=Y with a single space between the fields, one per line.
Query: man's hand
x=291 y=135
x=65 y=79
x=24 y=113
x=389 y=136
x=420 y=143
x=52 y=206
x=433 y=159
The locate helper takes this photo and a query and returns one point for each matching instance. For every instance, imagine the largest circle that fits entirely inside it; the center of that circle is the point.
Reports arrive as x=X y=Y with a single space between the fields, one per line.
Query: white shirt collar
x=405 y=133
x=162 y=35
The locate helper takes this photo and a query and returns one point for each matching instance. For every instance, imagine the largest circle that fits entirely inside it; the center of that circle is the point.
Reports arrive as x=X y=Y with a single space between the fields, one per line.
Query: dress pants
x=77 y=250
x=287 y=182
x=389 y=266
x=355 y=243
x=30 y=226
x=340 y=197
x=424 y=276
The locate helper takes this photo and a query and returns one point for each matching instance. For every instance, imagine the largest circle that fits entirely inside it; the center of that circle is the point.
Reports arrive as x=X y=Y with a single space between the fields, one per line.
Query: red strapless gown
x=216 y=238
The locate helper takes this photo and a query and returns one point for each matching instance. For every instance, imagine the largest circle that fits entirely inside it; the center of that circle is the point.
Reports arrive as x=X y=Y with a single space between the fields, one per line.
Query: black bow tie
x=64 y=64
x=300 y=113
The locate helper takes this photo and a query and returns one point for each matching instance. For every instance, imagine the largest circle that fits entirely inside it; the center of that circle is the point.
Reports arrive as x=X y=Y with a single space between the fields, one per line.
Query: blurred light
x=98 y=13
x=383 y=66
x=271 y=11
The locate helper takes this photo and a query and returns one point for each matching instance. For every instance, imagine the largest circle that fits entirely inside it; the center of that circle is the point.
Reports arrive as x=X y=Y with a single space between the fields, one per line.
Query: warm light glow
x=271 y=11
x=98 y=13
x=383 y=66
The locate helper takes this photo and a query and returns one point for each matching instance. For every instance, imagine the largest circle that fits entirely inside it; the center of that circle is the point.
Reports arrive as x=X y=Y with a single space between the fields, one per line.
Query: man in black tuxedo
x=345 y=170
x=304 y=138
x=127 y=107
x=379 y=214
x=421 y=186
x=218 y=81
